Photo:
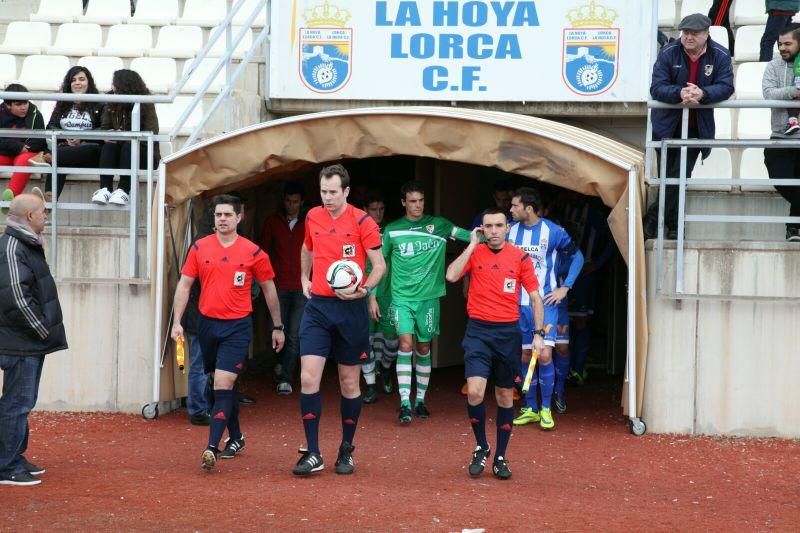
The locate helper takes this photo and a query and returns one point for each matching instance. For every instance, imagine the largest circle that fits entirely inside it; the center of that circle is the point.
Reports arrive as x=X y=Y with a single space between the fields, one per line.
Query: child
x=793 y=125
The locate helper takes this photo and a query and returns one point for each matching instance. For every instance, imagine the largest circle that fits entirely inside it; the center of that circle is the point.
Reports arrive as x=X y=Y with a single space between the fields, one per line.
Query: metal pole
x=135 y=126
x=632 y=292
x=53 y=207
x=267 y=49
x=662 y=192
x=229 y=74
x=159 y=288
x=149 y=206
x=681 y=204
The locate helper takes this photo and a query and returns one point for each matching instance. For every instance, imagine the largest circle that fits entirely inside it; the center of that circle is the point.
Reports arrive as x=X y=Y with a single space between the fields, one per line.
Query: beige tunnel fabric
x=540 y=149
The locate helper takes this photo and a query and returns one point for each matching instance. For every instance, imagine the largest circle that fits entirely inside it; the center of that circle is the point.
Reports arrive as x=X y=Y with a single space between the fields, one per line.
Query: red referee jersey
x=348 y=236
x=496 y=278
x=226 y=275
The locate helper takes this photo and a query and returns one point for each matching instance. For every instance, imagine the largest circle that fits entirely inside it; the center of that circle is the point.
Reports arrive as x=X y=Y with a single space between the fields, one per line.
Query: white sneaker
x=101 y=196
x=284 y=388
x=119 y=197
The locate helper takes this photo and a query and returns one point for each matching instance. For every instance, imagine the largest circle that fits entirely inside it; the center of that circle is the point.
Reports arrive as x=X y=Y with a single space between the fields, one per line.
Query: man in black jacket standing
x=30 y=327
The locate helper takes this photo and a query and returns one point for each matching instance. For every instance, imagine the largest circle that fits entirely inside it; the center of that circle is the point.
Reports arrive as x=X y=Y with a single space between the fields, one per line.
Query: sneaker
x=209 y=458
x=793 y=234
x=40 y=160
x=233 y=446
x=405 y=413
x=527 y=416
x=119 y=197
x=22 y=478
x=8 y=195
x=309 y=463
x=38 y=192
x=284 y=388
x=792 y=126
x=203 y=418
x=101 y=196
x=386 y=380
x=546 y=422
x=500 y=468
x=246 y=400
x=31 y=468
x=561 y=405
x=479 y=458
x=371 y=394
x=344 y=462
x=420 y=410
x=577 y=378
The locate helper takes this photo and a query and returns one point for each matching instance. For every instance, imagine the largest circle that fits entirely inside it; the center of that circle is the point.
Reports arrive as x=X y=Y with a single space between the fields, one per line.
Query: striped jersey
x=546 y=243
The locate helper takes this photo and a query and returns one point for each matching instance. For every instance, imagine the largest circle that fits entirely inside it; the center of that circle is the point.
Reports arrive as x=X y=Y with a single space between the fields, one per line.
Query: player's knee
x=474 y=394
x=504 y=397
x=562 y=350
x=423 y=348
x=546 y=357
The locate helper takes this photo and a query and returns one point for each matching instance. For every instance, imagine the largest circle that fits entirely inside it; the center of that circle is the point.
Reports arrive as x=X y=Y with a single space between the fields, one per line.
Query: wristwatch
x=279 y=327
x=539 y=332
x=367 y=288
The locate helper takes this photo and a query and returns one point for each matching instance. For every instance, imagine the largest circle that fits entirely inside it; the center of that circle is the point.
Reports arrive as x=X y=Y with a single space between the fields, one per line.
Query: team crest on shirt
x=430 y=228
x=349 y=250
x=238 y=279
x=708 y=70
x=543 y=244
x=510 y=285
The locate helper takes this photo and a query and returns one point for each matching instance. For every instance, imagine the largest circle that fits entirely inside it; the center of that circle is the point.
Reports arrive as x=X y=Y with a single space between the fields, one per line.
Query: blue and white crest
x=325 y=58
x=590 y=57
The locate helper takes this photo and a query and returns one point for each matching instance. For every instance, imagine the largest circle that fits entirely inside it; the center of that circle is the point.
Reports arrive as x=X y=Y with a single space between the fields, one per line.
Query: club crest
x=326 y=48
x=590 y=50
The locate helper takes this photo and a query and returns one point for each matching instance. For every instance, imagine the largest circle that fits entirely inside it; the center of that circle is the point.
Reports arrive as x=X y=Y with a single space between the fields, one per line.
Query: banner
x=478 y=50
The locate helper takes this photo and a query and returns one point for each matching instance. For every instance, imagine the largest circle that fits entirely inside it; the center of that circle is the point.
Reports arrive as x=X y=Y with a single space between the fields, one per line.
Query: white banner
x=479 y=50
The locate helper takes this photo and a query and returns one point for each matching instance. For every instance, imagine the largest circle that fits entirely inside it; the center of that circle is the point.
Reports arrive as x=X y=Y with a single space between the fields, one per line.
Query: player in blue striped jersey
x=547 y=244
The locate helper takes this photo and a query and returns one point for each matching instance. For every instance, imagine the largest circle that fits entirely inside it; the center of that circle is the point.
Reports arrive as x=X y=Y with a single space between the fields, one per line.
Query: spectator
x=691 y=70
x=779 y=14
x=778 y=84
x=16 y=151
x=30 y=328
x=720 y=15
x=282 y=237
x=114 y=154
x=73 y=116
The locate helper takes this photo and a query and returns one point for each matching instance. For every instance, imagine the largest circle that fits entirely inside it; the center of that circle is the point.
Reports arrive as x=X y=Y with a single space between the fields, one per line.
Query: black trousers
x=720 y=16
x=85 y=155
x=775 y=23
x=785 y=164
x=673 y=171
x=118 y=155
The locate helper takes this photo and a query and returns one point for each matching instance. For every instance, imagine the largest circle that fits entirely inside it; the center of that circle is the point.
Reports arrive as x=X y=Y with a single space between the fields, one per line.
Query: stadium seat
x=107 y=12
x=748 y=81
x=206 y=13
x=717 y=166
x=689 y=7
x=8 y=69
x=748 y=43
x=168 y=115
x=158 y=73
x=202 y=73
x=43 y=73
x=178 y=42
x=722 y=120
x=719 y=35
x=77 y=39
x=241 y=16
x=155 y=12
x=666 y=14
x=26 y=38
x=754 y=124
x=58 y=11
x=127 y=40
x=46 y=109
x=102 y=69
x=752 y=167
x=748 y=13
x=219 y=47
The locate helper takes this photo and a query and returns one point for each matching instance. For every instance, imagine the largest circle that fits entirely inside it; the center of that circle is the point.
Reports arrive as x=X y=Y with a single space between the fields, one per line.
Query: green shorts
x=416 y=318
x=384 y=325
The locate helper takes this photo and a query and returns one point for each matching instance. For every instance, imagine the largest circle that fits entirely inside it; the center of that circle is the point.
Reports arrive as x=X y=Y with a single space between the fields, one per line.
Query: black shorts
x=336 y=328
x=224 y=343
x=492 y=349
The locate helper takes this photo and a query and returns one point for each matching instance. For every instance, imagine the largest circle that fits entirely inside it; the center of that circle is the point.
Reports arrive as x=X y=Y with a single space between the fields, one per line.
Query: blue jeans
x=292 y=305
x=199 y=398
x=775 y=23
x=21 y=376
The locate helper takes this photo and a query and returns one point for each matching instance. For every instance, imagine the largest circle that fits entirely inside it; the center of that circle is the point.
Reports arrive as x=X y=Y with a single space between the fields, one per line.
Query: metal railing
x=231 y=76
x=684 y=143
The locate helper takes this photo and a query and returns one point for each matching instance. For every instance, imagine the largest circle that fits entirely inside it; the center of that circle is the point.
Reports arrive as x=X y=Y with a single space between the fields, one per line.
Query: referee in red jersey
x=498 y=271
x=334 y=325
x=226 y=264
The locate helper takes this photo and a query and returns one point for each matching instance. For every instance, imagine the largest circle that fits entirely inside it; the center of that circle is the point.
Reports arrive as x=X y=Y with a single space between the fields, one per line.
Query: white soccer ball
x=344 y=276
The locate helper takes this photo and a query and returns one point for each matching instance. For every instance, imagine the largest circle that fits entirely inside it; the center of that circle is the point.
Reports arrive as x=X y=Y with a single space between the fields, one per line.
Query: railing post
x=662 y=192
x=53 y=208
x=149 y=206
x=229 y=72
x=133 y=263
x=681 y=204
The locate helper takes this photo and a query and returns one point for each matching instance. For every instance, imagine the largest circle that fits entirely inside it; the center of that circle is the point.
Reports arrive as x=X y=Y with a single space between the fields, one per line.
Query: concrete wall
x=725 y=367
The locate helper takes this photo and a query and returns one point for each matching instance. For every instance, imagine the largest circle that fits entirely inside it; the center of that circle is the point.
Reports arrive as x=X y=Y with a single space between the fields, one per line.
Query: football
x=344 y=276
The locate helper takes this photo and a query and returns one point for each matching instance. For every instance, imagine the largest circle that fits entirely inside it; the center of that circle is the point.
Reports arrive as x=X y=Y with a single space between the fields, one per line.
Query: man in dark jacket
x=691 y=70
x=779 y=14
x=30 y=328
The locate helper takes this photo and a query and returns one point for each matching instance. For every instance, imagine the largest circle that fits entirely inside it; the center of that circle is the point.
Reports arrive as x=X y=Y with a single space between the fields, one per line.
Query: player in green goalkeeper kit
x=414 y=248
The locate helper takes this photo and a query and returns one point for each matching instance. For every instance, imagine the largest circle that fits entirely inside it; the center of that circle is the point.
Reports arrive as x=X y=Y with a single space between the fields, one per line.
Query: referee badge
x=238 y=279
x=510 y=285
x=349 y=250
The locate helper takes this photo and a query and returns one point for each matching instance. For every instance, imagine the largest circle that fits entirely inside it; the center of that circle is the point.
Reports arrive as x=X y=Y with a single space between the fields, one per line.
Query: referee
x=334 y=326
x=491 y=343
x=226 y=264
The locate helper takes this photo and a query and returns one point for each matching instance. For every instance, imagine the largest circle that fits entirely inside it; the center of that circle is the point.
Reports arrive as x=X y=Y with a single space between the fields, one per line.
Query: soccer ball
x=344 y=276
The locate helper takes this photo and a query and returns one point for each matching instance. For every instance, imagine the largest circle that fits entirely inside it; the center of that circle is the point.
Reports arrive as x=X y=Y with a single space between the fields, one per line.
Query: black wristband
x=279 y=327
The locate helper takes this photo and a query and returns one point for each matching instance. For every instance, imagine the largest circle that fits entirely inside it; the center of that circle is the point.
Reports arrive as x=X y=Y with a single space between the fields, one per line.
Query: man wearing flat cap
x=691 y=70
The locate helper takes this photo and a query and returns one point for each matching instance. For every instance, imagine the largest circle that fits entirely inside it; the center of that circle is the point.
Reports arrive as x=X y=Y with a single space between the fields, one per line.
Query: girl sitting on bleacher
x=16 y=151
x=117 y=154
x=75 y=116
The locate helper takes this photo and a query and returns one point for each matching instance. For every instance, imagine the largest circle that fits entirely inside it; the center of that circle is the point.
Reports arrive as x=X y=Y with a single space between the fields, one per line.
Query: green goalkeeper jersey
x=414 y=252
